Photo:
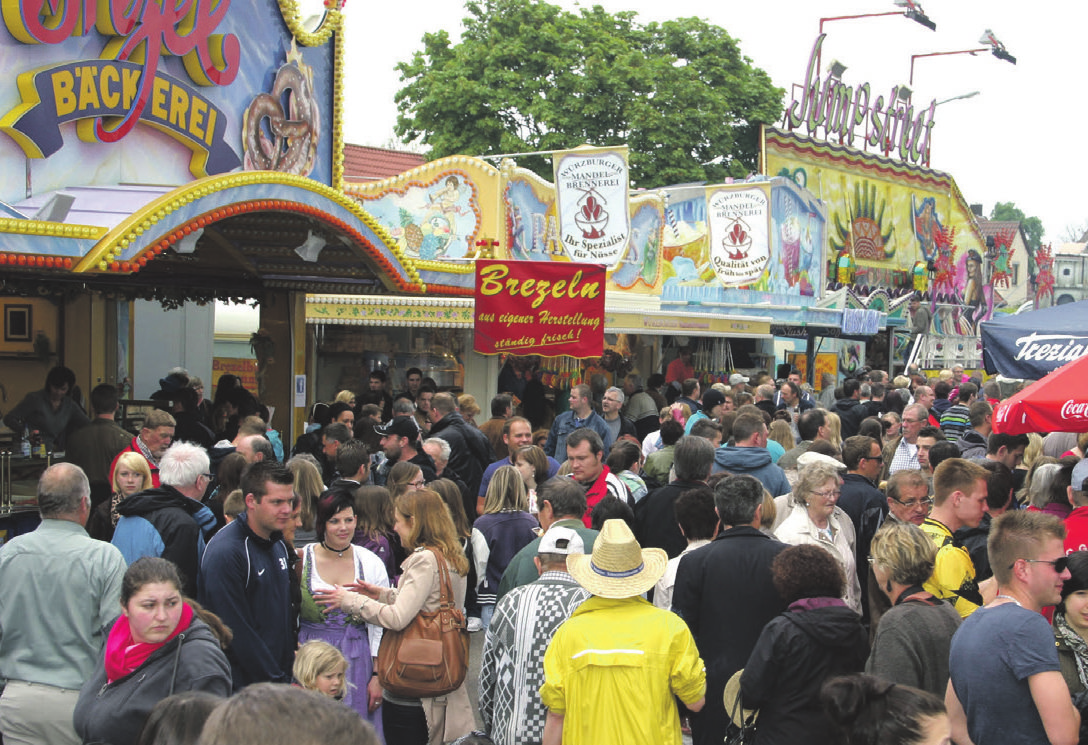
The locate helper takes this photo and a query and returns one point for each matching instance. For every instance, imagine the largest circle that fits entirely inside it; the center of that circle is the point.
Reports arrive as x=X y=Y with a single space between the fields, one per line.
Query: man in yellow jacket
x=613 y=669
x=959 y=500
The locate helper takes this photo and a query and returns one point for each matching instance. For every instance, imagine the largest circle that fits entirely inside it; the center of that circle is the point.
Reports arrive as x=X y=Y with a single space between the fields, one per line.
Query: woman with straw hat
x=614 y=667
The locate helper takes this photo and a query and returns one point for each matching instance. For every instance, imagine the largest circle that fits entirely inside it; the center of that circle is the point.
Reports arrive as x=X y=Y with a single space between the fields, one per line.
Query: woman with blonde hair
x=498 y=534
x=814 y=519
x=533 y=466
x=834 y=430
x=308 y=487
x=131 y=474
x=345 y=397
x=914 y=636
x=780 y=432
x=466 y=404
x=1032 y=451
x=425 y=527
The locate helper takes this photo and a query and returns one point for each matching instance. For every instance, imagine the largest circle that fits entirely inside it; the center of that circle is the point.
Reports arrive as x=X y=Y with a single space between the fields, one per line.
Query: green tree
x=1032 y=227
x=530 y=76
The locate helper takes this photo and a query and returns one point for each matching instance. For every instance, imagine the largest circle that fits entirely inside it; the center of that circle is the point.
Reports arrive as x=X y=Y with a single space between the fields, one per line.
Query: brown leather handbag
x=429 y=656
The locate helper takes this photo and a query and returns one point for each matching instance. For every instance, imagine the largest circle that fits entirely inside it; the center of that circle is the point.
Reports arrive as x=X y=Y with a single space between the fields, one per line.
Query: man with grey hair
x=512 y=668
x=693 y=457
x=60 y=592
x=439 y=450
x=902 y=452
x=727 y=585
x=611 y=404
x=170 y=521
x=562 y=502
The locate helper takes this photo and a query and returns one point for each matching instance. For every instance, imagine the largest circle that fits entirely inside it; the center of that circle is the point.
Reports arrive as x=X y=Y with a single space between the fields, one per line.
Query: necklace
x=338 y=551
x=1008 y=597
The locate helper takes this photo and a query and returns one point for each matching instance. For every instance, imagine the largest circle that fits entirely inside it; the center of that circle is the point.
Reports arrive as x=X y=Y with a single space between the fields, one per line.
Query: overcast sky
x=1012 y=142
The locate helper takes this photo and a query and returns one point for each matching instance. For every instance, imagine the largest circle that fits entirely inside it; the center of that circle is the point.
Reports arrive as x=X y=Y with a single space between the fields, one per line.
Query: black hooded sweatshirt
x=795 y=654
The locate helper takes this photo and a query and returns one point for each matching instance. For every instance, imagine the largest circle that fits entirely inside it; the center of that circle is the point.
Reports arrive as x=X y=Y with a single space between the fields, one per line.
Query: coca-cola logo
x=1051 y=347
x=1073 y=409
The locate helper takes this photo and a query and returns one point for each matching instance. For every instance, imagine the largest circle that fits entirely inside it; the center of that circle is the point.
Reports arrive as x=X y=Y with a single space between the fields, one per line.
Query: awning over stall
x=621 y=316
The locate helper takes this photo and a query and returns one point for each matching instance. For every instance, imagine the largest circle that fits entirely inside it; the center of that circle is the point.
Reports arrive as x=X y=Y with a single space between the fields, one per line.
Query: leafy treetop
x=531 y=76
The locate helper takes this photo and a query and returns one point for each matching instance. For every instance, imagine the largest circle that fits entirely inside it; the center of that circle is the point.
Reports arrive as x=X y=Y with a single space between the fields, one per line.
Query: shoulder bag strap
x=445 y=584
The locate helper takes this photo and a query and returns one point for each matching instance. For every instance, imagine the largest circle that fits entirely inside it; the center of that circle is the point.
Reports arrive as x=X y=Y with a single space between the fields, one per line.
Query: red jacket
x=134 y=448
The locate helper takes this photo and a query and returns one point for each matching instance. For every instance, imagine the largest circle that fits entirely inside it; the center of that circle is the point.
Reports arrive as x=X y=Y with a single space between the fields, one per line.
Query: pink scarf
x=124 y=654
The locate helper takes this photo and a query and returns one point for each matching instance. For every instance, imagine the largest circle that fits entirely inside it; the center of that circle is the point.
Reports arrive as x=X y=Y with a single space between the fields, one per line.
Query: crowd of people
x=872 y=564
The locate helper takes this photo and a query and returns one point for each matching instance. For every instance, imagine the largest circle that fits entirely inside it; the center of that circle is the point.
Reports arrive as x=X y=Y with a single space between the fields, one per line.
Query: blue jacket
x=752 y=462
x=245 y=580
x=564 y=424
x=164 y=522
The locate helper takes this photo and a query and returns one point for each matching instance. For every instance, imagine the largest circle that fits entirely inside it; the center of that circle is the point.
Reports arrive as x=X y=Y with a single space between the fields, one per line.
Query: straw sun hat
x=732 y=692
x=618 y=567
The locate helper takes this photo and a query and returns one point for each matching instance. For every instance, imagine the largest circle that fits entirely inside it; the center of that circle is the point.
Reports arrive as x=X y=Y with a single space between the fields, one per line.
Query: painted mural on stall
x=430 y=220
x=896 y=228
x=97 y=92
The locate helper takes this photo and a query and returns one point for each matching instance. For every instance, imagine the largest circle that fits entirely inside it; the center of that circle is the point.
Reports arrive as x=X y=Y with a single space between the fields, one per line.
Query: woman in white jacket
x=813 y=519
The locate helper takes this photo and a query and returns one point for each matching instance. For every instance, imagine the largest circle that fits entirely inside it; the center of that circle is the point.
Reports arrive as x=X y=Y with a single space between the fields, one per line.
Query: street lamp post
x=961 y=97
x=995 y=47
x=912 y=11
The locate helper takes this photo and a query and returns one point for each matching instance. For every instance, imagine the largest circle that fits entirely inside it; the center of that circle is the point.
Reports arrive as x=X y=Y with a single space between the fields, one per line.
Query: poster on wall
x=539 y=307
x=739 y=242
x=591 y=187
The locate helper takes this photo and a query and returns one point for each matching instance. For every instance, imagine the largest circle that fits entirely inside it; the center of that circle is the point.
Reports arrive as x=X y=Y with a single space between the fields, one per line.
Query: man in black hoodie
x=170 y=520
x=470 y=450
x=849 y=408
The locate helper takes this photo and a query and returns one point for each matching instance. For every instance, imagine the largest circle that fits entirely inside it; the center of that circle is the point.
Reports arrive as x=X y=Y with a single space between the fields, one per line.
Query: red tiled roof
x=362 y=163
x=993 y=227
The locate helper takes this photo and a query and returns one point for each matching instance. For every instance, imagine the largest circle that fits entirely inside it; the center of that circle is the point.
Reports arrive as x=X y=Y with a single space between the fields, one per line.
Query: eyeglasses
x=417 y=484
x=913 y=421
x=827 y=494
x=1060 y=564
x=912 y=503
x=871 y=457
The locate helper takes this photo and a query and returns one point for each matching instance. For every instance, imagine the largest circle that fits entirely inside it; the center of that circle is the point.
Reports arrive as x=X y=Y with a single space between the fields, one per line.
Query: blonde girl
x=320 y=667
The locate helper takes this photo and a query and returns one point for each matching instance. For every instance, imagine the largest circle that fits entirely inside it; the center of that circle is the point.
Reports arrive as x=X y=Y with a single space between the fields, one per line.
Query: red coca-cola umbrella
x=1057 y=403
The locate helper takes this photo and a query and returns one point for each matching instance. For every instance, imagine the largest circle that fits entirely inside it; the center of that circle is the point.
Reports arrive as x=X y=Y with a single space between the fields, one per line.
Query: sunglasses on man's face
x=1059 y=564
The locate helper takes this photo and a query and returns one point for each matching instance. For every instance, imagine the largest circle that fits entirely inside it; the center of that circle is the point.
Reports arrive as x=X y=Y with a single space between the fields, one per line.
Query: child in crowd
x=319 y=666
x=234 y=505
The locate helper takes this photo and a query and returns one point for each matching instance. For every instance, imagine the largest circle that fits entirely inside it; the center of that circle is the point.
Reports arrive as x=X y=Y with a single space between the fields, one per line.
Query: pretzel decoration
x=292 y=146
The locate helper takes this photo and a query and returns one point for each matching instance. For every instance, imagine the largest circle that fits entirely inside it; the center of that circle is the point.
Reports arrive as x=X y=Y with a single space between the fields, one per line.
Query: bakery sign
x=106 y=97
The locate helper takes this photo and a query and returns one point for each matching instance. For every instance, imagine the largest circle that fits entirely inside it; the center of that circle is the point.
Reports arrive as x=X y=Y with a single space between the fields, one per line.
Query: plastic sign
x=834 y=111
x=739 y=241
x=591 y=186
x=539 y=307
x=108 y=96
